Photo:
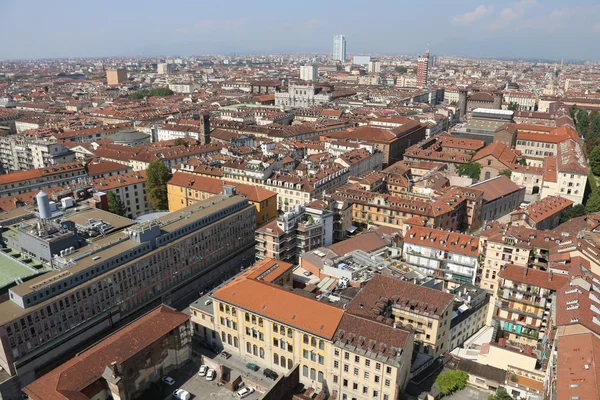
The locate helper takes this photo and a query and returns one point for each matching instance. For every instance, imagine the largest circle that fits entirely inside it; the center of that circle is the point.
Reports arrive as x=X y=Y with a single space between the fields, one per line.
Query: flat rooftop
x=81 y=217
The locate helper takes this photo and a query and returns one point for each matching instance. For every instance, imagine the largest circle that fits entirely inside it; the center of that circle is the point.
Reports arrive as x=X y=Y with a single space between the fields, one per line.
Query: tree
x=140 y=94
x=472 y=170
x=180 y=142
x=573 y=110
x=501 y=394
x=157 y=176
x=573 y=212
x=513 y=106
x=507 y=172
x=115 y=205
x=593 y=130
x=593 y=203
x=522 y=161
x=400 y=69
x=582 y=119
x=451 y=381
x=594 y=156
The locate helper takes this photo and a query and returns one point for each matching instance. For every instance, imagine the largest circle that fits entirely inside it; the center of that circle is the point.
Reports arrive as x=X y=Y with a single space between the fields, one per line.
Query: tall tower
x=423 y=70
x=339 y=48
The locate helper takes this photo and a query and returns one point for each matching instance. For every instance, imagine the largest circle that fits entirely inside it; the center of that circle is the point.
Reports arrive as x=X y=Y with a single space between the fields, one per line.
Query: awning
x=351 y=229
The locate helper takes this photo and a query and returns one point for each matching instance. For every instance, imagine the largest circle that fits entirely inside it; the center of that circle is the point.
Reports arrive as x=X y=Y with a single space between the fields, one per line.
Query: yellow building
x=259 y=320
x=185 y=189
x=263 y=323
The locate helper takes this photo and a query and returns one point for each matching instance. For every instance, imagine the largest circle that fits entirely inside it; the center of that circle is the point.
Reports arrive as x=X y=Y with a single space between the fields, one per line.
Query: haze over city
x=300 y=200
x=524 y=29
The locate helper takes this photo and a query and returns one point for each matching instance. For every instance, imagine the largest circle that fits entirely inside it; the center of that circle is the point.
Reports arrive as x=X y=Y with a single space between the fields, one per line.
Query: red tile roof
x=439 y=239
x=71 y=378
x=578 y=367
x=279 y=304
x=534 y=277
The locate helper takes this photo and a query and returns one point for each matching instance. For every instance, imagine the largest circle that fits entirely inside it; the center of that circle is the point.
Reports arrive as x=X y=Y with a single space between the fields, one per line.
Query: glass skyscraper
x=339 y=48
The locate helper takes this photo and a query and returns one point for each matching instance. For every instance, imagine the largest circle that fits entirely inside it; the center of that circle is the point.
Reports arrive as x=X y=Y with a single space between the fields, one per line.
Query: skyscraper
x=423 y=70
x=115 y=77
x=339 y=48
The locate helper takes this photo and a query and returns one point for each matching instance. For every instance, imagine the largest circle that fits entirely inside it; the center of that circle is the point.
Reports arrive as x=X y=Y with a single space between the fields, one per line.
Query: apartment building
x=124 y=364
x=261 y=322
x=392 y=139
x=115 y=77
x=94 y=287
x=371 y=359
x=471 y=306
x=455 y=209
x=130 y=187
x=500 y=197
x=440 y=253
x=502 y=244
x=566 y=173
x=524 y=303
x=526 y=101
x=38 y=179
x=444 y=149
x=184 y=189
x=427 y=311
x=295 y=232
x=21 y=153
x=351 y=353
x=544 y=214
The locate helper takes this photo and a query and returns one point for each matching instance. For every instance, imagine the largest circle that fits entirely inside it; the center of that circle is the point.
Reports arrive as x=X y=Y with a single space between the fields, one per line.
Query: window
x=305 y=371
x=345 y=367
x=321 y=360
x=376 y=378
x=313 y=373
x=290 y=363
x=387 y=383
x=388 y=370
x=346 y=356
x=322 y=344
x=356 y=359
x=366 y=375
x=367 y=362
x=276 y=359
x=248 y=347
x=262 y=353
x=375 y=394
x=335 y=379
x=305 y=353
x=336 y=364
x=356 y=371
x=378 y=366
x=274 y=327
x=345 y=383
x=305 y=339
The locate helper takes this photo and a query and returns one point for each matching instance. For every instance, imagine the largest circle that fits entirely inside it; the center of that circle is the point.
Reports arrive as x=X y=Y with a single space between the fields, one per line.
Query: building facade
x=339 y=48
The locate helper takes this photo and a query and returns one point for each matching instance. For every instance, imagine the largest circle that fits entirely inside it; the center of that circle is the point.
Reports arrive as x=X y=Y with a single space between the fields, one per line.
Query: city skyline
x=519 y=29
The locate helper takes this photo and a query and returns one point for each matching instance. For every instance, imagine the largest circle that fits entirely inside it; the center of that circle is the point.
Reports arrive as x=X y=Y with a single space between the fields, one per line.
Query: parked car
x=168 y=380
x=210 y=374
x=245 y=392
x=181 y=394
x=225 y=354
x=252 y=366
x=270 y=374
x=202 y=370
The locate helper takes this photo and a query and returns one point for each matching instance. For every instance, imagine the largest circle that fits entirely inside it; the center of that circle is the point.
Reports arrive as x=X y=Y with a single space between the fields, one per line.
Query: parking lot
x=187 y=378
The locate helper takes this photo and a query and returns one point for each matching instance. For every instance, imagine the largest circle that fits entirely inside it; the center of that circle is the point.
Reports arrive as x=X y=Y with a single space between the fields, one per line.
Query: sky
x=548 y=29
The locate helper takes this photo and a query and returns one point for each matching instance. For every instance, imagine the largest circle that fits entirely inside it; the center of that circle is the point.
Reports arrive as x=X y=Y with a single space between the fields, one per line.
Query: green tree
x=501 y=394
x=401 y=69
x=573 y=110
x=513 y=106
x=594 y=156
x=140 y=94
x=451 y=381
x=573 y=212
x=593 y=202
x=115 y=205
x=157 y=176
x=507 y=172
x=593 y=130
x=582 y=119
x=522 y=161
x=180 y=142
x=471 y=169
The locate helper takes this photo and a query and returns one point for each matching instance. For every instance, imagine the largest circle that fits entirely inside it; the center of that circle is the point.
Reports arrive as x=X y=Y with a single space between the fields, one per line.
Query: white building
x=436 y=252
x=374 y=67
x=164 y=68
x=301 y=96
x=308 y=72
x=182 y=87
x=339 y=48
x=361 y=60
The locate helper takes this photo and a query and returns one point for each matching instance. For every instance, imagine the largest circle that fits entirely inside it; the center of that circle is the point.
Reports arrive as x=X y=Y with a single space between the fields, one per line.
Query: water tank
x=43 y=205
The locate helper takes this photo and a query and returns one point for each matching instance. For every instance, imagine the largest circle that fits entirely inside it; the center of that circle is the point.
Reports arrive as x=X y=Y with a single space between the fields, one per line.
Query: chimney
x=113 y=368
x=526 y=270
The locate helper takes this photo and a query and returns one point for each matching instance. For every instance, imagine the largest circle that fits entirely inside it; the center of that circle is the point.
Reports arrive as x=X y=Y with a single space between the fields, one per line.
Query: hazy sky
x=542 y=28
